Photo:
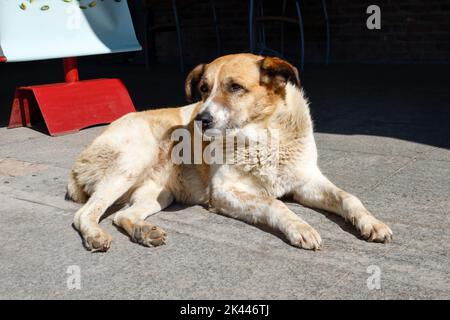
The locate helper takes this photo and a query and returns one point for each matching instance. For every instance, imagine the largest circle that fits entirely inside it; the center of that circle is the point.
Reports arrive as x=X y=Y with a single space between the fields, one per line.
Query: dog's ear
x=276 y=73
x=192 y=81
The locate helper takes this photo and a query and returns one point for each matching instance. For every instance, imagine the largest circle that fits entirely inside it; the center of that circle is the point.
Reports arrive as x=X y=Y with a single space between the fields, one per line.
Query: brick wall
x=411 y=31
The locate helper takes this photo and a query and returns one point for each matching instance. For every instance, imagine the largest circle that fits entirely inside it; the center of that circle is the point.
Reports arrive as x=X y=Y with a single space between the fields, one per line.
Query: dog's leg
x=146 y=200
x=319 y=192
x=257 y=209
x=87 y=218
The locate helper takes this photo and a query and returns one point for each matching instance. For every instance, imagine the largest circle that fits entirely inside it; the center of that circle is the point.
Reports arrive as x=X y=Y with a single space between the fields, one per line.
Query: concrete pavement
x=380 y=143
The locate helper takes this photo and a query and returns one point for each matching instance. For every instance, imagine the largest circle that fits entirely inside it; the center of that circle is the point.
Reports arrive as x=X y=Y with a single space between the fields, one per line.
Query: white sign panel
x=46 y=29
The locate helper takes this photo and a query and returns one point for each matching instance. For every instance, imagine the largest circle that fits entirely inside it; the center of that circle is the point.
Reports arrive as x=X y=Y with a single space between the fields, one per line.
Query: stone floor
x=383 y=133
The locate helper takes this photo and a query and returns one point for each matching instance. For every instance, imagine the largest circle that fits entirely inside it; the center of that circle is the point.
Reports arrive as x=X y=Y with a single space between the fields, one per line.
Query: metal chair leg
x=327 y=22
x=179 y=37
x=283 y=13
x=216 y=28
x=251 y=17
x=145 y=40
x=262 y=28
x=302 y=40
x=140 y=20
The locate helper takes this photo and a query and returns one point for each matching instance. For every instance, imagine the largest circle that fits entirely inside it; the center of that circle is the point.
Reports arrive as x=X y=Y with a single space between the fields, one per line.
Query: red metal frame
x=72 y=105
x=71 y=70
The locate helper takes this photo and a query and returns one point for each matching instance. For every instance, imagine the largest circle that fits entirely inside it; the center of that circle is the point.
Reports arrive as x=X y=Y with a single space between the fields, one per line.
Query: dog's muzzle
x=206 y=118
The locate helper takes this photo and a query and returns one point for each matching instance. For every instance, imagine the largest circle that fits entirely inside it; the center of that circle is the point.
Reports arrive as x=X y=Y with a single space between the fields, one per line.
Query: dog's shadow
x=343 y=225
x=177 y=207
x=110 y=211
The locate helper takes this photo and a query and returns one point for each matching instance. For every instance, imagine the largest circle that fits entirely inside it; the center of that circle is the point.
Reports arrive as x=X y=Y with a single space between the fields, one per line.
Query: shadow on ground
x=379 y=129
x=407 y=102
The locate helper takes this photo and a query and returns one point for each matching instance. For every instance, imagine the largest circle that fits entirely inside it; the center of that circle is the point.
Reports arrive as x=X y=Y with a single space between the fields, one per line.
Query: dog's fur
x=130 y=162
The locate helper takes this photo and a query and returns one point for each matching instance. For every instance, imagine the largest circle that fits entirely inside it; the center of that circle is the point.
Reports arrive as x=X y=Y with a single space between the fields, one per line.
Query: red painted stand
x=72 y=105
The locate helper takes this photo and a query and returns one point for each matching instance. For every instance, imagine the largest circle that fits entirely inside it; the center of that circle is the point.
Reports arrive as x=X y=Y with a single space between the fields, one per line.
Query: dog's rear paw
x=304 y=236
x=374 y=230
x=148 y=234
x=98 y=241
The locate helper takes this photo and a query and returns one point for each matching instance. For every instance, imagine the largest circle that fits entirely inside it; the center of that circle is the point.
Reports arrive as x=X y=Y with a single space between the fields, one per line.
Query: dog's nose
x=206 y=119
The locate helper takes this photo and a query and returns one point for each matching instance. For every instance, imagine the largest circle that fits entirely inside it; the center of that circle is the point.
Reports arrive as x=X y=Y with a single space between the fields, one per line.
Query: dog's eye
x=204 y=88
x=234 y=87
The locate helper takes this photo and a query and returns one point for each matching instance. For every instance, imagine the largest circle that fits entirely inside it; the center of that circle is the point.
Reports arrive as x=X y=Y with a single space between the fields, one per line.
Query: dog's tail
x=74 y=191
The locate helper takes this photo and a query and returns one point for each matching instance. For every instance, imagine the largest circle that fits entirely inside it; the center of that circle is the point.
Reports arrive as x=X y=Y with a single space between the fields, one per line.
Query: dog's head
x=239 y=89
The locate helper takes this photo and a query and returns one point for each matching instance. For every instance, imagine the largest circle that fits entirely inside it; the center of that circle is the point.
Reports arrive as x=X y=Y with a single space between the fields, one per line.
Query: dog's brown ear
x=192 y=81
x=276 y=73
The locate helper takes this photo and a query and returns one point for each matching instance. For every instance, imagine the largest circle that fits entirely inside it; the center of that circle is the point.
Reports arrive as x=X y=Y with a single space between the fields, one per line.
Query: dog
x=131 y=162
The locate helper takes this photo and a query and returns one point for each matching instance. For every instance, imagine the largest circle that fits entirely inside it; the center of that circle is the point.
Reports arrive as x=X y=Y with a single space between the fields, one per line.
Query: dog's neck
x=293 y=118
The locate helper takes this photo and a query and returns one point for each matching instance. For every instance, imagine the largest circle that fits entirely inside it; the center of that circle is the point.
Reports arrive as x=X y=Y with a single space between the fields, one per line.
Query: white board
x=64 y=30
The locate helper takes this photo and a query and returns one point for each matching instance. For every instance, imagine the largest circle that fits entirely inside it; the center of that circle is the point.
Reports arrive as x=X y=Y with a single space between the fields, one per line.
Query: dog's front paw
x=148 y=235
x=304 y=236
x=98 y=240
x=373 y=230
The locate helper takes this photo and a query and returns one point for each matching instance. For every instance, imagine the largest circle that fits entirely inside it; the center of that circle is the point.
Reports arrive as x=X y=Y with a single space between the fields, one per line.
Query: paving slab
x=379 y=145
x=37 y=149
x=211 y=256
x=381 y=139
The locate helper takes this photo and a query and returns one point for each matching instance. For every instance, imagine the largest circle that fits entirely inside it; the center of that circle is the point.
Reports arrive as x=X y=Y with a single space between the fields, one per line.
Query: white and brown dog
x=131 y=162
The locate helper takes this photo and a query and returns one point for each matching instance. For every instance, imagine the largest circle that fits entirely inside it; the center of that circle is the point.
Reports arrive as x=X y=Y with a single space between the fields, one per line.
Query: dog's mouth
x=211 y=129
x=208 y=132
x=203 y=126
